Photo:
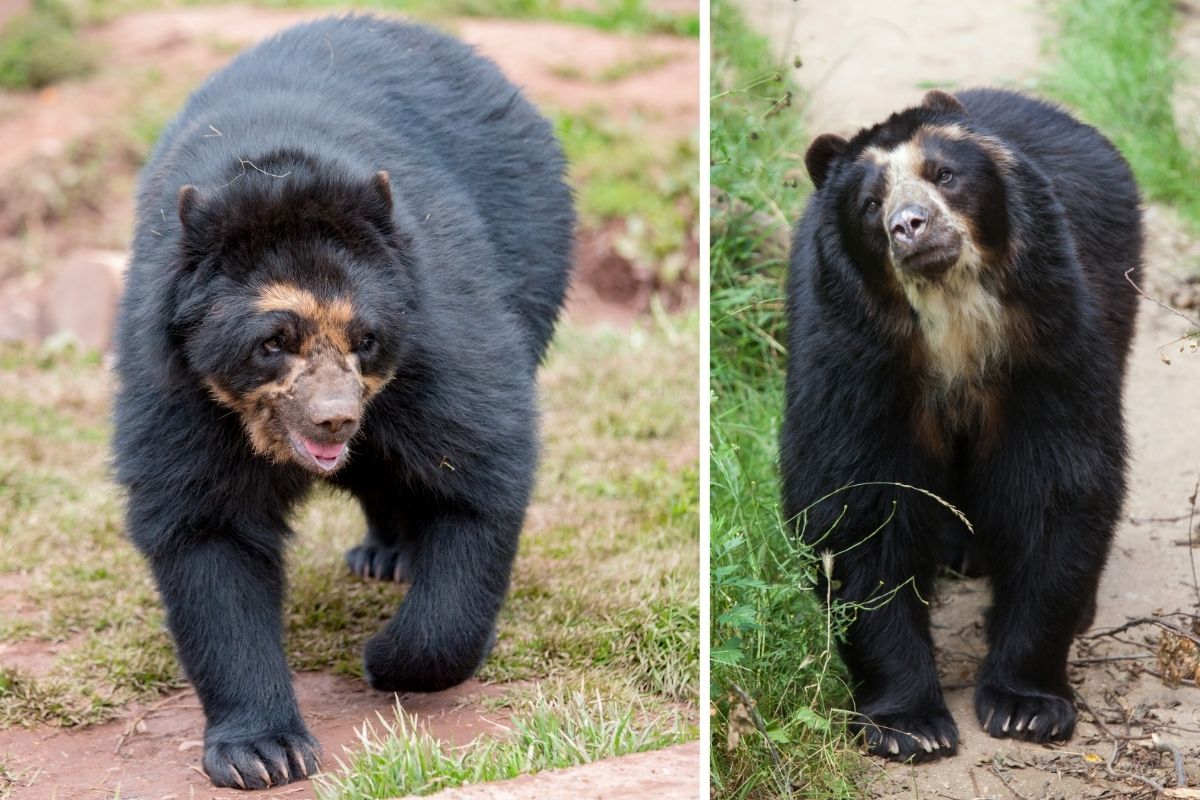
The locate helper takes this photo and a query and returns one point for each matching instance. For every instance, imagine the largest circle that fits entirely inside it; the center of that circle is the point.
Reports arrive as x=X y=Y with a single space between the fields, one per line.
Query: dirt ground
x=153 y=752
x=862 y=60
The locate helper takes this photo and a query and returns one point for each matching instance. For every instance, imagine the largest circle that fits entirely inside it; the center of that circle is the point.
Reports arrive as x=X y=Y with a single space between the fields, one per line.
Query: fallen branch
x=1162 y=746
x=1133 y=623
x=761 y=725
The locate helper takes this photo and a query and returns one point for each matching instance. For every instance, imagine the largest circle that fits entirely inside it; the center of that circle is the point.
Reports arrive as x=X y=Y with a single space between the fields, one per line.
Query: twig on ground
x=140 y=717
x=1133 y=623
x=1106 y=659
x=1191 y=549
x=1118 y=741
x=1163 y=678
x=1007 y=785
x=1160 y=303
x=761 y=725
x=1144 y=520
x=1163 y=746
x=975 y=783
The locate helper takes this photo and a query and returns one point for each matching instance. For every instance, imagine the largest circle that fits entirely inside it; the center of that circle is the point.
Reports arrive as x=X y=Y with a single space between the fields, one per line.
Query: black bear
x=960 y=317
x=351 y=249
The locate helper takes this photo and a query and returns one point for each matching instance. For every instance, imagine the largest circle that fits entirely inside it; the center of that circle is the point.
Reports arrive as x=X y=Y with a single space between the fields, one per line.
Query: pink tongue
x=325 y=451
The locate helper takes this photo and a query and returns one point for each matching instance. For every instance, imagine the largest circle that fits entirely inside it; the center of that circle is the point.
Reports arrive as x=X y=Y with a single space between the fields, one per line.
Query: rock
x=81 y=298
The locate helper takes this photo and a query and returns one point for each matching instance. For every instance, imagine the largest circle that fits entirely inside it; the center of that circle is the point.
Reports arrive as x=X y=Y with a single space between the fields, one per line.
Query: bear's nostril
x=908 y=222
x=333 y=416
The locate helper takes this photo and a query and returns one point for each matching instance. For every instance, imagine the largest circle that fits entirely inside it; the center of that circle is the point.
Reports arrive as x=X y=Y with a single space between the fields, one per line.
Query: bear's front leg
x=1047 y=503
x=445 y=626
x=898 y=700
x=1041 y=594
x=223 y=591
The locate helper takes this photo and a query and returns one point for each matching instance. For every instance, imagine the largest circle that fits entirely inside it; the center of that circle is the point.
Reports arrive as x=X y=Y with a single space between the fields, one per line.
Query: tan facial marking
x=373 y=383
x=330 y=317
x=961 y=322
x=326 y=350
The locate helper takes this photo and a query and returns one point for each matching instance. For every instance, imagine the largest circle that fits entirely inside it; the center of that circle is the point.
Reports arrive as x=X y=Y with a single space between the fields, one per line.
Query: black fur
x=458 y=275
x=1042 y=477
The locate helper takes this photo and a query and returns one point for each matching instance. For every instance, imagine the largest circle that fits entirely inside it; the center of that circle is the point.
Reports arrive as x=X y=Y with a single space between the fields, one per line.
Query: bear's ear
x=937 y=100
x=382 y=184
x=380 y=210
x=189 y=203
x=821 y=153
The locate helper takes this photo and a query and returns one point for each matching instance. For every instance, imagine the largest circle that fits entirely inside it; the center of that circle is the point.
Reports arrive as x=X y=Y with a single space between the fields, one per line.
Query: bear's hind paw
x=380 y=563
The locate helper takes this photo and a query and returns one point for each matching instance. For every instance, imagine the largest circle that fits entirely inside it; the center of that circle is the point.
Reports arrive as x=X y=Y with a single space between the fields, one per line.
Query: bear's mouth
x=931 y=262
x=320 y=457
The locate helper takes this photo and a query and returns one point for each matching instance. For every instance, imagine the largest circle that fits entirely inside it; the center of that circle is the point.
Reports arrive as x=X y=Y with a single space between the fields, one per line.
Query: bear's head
x=292 y=296
x=917 y=196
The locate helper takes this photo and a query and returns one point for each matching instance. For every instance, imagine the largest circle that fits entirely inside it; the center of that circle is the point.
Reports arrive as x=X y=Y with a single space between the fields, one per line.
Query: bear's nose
x=908 y=223
x=335 y=413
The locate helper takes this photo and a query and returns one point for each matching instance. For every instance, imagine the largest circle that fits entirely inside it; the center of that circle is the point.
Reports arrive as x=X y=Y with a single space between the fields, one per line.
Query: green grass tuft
x=776 y=683
x=624 y=16
x=40 y=47
x=1116 y=65
x=404 y=761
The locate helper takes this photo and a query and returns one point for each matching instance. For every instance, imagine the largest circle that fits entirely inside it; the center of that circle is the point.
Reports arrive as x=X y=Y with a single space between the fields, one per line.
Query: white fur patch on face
x=961 y=322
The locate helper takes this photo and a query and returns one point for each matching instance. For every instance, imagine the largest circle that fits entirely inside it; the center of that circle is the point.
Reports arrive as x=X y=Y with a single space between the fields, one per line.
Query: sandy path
x=863 y=60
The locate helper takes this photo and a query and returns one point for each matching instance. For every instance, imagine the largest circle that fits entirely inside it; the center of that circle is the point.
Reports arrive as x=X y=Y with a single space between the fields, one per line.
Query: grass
x=604 y=595
x=1115 y=63
x=622 y=16
x=39 y=47
x=776 y=683
x=403 y=761
x=646 y=188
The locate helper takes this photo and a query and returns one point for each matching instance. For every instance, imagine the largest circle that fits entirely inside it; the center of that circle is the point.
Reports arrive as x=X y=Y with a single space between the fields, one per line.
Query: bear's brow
x=331 y=317
x=287 y=297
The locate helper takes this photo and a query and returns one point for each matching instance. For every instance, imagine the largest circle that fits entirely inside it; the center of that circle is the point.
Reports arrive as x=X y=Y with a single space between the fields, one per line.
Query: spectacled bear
x=959 y=321
x=351 y=249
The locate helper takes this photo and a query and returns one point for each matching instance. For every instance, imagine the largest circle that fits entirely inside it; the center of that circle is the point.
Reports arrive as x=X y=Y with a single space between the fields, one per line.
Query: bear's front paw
x=1035 y=715
x=921 y=735
x=380 y=563
x=260 y=760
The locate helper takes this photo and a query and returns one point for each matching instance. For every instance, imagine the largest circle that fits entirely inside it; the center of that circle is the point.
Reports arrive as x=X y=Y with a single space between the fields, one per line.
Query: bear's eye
x=945 y=175
x=872 y=206
x=272 y=346
x=366 y=345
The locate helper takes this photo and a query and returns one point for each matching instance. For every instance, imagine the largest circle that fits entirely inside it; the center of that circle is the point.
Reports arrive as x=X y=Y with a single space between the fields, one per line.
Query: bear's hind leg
x=386 y=550
x=445 y=626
